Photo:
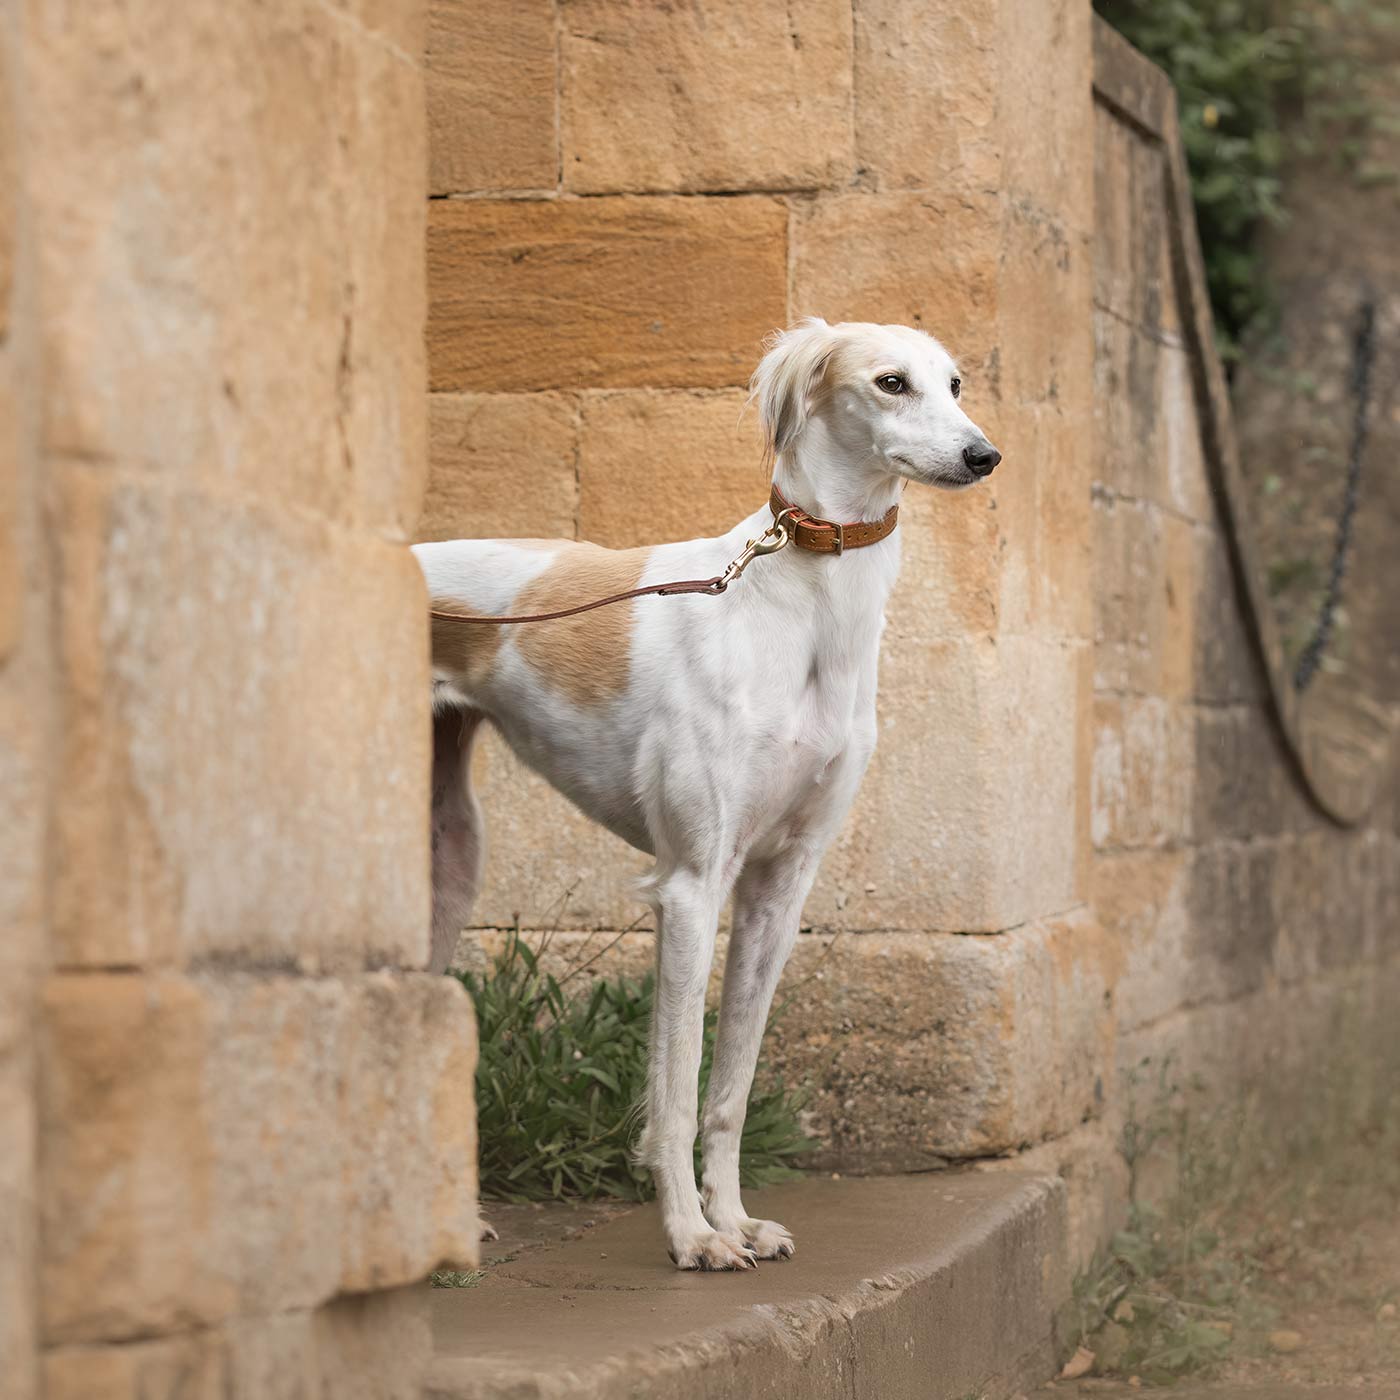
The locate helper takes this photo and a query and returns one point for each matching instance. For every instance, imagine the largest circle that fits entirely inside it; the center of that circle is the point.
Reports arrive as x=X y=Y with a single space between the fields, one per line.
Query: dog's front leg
x=768 y=901
x=687 y=911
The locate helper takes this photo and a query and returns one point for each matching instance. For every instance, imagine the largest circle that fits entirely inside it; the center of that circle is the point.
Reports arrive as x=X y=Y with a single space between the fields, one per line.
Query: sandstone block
x=925 y=106
x=736 y=96
x=915 y=1043
x=193 y=825
x=605 y=293
x=492 y=106
x=952 y=569
x=1132 y=269
x=657 y=466
x=1142 y=775
x=181 y=373
x=19 y=1236
x=923 y=260
x=127 y=1196
x=398 y=24
x=382 y=371
x=368 y=1347
x=1148 y=602
x=231 y=1144
x=1046 y=106
x=1045 y=351
x=1140 y=897
x=13 y=485
x=970 y=823
x=546 y=863
x=1244 y=786
x=1045 y=519
x=1232 y=931
x=501 y=465
x=915 y=1047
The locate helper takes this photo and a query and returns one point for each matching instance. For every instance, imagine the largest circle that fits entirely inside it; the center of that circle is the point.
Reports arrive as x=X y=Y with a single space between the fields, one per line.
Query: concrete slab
x=932 y=1287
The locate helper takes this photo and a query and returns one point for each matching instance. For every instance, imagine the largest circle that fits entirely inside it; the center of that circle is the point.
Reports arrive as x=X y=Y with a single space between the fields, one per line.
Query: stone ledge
x=925 y=1287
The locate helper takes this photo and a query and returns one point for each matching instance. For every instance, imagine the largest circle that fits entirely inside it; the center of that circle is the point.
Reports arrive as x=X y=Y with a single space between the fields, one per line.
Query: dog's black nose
x=981 y=460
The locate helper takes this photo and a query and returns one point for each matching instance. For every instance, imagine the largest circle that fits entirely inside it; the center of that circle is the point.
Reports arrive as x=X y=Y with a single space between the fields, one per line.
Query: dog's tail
x=459 y=836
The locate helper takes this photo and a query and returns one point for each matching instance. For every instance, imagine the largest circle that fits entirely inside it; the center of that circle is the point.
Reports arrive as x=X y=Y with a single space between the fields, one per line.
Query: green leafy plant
x=561 y=1076
x=1259 y=83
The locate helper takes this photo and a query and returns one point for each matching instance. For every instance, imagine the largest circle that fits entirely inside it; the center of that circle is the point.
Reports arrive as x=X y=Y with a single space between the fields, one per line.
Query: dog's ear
x=788 y=378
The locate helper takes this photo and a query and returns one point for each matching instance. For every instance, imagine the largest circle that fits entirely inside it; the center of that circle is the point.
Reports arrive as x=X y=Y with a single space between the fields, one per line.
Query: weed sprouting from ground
x=1248 y=1195
x=562 y=1074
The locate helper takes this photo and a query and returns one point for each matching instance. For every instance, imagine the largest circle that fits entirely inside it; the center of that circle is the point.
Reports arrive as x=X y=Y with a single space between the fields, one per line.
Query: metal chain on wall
x=1363 y=355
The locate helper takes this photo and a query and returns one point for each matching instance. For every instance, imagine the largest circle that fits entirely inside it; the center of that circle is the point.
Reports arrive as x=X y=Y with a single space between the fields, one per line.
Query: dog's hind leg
x=458 y=835
x=768 y=899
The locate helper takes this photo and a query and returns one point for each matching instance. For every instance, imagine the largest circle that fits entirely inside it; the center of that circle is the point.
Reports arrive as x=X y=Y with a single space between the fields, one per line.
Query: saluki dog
x=724 y=736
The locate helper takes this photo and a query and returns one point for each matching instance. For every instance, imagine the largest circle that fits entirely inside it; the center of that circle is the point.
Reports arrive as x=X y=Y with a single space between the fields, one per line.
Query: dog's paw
x=768 y=1239
x=713 y=1252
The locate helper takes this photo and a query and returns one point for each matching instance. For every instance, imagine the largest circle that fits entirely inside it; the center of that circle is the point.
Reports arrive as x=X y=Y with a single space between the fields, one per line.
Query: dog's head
x=885 y=396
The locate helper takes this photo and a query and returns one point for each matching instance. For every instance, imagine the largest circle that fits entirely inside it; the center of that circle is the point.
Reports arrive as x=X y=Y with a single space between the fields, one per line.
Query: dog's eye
x=891 y=383
x=956 y=387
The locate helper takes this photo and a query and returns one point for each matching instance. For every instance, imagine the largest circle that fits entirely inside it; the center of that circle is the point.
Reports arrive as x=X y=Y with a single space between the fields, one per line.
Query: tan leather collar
x=826 y=536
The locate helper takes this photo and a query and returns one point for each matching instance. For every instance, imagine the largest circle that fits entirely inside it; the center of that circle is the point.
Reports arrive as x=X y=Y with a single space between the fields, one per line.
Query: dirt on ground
x=1322 y=1318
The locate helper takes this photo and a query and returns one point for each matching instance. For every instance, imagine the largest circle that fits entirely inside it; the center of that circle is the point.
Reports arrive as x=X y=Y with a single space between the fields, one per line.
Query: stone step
x=941 y=1286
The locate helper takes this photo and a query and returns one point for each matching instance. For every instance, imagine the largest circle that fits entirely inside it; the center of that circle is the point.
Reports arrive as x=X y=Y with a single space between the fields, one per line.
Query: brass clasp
x=774 y=538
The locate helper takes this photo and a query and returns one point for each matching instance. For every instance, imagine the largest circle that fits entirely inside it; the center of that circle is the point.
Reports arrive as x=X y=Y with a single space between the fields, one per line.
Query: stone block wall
x=1093 y=829
x=237 y=1122
x=626 y=199
x=1251 y=925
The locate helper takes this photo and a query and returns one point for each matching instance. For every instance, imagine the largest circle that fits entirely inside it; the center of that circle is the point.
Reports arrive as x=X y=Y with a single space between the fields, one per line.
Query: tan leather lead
x=803 y=530
x=826 y=536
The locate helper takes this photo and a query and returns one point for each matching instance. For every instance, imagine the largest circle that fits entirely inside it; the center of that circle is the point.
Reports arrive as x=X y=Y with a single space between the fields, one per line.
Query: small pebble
x=1285 y=1342
x=1386 y=1312
x=1080 y=1364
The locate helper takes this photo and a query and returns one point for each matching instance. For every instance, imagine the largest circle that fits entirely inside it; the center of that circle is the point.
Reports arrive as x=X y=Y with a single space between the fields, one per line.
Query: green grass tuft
x=561 y=1078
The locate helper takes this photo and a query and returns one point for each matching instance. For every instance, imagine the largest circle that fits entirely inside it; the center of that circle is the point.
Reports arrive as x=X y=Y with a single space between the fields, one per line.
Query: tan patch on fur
x=586 y=657
x=465 y=650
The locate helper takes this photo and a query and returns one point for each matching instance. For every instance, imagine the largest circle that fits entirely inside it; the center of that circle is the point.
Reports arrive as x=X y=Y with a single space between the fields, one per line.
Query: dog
x=723 y=736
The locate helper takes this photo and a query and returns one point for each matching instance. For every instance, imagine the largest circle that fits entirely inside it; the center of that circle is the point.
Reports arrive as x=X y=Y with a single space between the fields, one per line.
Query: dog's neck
x=829 y=483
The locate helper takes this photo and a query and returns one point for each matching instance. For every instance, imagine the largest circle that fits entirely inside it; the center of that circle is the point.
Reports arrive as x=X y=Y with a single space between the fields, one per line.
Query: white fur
x=736 y=747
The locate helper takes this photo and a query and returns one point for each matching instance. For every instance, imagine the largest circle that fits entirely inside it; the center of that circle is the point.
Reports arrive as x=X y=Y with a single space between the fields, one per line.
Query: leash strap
x=695 y=585
x=790 y=524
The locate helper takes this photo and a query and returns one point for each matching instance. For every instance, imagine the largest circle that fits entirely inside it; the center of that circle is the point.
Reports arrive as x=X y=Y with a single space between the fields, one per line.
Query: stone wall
x=235 y=1120
x=1095 y=825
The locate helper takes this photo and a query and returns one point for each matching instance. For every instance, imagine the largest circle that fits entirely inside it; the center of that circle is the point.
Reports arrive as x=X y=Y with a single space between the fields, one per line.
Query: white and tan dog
x=725 y=736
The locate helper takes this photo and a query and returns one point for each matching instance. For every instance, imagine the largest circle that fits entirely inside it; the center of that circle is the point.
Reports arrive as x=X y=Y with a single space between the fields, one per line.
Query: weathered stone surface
x=926 y=110
x=607 y=293
x=1046 y=108
x=1142 y=777
x=1148 y=600
x=367 y=1347
x=1141 y=898
x=734 y=96
x=492 y=96
x=194 y=827
x=915 y=1043
x=223 y=1144
x=193 y=370
x=667 y=466
x=546 y=863
x=922 y=1288
x=502 y=465
x=967 y=824
x=1045 y=518
x=1045 y=353
x=924 y=260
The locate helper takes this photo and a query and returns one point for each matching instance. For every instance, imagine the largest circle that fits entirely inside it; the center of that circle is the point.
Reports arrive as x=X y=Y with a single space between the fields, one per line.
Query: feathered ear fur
x=788 y=378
